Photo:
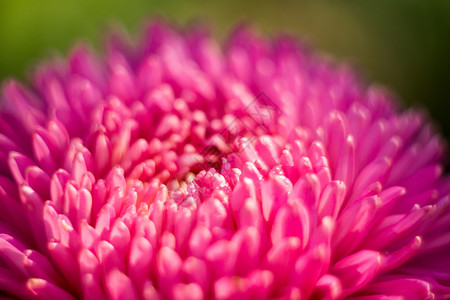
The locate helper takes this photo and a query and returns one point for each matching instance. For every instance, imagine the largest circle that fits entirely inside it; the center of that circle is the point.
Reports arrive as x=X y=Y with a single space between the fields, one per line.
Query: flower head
x=178 y=170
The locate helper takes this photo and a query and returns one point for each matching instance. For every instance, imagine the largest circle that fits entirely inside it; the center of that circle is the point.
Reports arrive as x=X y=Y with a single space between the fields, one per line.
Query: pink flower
x=178 y=170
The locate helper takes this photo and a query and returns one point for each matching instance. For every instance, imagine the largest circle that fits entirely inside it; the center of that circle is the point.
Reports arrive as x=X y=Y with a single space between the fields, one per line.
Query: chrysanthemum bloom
x=178 y=170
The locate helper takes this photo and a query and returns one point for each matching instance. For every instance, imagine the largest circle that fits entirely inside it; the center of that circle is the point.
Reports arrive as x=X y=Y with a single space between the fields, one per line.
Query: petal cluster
x=180 y=169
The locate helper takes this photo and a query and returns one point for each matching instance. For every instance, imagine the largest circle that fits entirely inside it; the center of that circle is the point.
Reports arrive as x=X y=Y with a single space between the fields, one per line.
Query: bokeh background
x=403 y=44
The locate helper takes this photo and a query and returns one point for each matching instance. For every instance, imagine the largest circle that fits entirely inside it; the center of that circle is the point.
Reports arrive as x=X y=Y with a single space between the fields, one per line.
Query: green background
x=403 y=44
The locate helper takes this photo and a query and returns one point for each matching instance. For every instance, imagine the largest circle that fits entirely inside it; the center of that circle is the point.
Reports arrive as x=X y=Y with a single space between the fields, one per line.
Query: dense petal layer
x=174 y=169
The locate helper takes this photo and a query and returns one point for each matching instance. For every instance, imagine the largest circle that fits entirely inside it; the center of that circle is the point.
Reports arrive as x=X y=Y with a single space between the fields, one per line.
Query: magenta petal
x=200 y=240
x=39 y=266
x=399 y=257
x=357 y=269
x=274 y=193
x=18 y=164
x=12 y=257
x=120 y=237
x=331 y=199
x=397 y=227
x=328 y=287
x=190 y=291
x=140 y=260
x=409 y=288
x=169 y=267
x=230 y=288
x=222 y=257
x=46 y=290
x=119 y=286
x=43 y=152
x=353 y=224
x=20 y=102
x=292 y=220
x=109 y=258
x=282 y=255
x=12 y=284
x=65 y=262
x=197 y=271
x=91 y=288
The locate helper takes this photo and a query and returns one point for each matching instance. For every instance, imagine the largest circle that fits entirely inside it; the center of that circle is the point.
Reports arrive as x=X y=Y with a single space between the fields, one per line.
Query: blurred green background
x=403 y=44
